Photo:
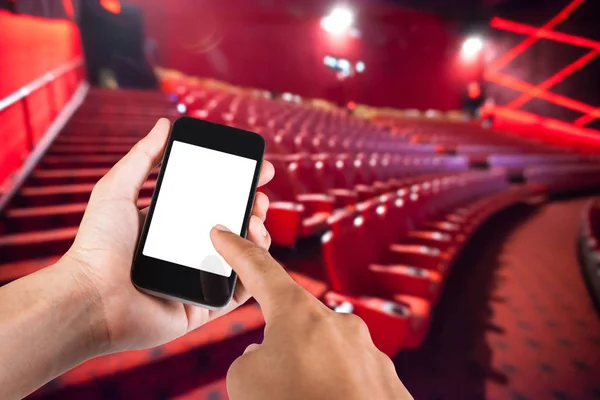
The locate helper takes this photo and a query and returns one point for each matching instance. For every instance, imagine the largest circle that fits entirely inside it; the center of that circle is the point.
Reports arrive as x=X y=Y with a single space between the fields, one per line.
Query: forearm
x=48 y=321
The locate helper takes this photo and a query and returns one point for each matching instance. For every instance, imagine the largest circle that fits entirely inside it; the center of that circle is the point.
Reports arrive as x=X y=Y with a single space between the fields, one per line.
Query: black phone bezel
x=176 y=281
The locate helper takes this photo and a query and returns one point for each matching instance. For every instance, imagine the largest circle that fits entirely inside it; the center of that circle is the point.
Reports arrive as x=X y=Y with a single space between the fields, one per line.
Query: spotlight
x=338 y=21
x=471 y=47
x=330 y=61
x=360 y=66
x=344 y=66
x=181 y=108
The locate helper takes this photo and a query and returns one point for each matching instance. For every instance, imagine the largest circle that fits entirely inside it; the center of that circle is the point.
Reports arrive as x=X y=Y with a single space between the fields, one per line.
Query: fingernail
x=263 y=231
x=222 y=228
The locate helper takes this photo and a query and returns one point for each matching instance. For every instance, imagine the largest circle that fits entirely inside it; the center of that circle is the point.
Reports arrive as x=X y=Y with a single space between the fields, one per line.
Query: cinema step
x=118 y=115
x=82 y=128
x=26 y=219
x=114 y=121
x=64 y=194
x=212 y=391
x=122 y=131
x=95 y=140
x=197 y=360
x=79 y=161
x=41 y=177
x=108 y=148
x=12 y=271
x=21 y=246
x=143 y=110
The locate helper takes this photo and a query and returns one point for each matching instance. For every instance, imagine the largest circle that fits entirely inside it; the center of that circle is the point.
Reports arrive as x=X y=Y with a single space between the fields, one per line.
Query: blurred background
x=436 y=172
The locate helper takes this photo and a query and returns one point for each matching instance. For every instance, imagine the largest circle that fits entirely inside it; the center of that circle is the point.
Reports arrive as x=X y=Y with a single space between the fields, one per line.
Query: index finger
x=262 y=276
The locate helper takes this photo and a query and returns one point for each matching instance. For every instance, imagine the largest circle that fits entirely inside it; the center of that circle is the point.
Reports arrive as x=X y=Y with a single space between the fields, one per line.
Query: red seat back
x=282 y=187
x=346 y=257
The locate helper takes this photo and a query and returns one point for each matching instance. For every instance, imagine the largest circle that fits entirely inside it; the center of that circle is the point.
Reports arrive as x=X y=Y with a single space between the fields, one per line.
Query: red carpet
x=515 y=321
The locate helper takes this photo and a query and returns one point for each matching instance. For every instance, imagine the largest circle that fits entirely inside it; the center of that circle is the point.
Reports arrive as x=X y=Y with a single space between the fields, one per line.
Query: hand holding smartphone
x=209 y=176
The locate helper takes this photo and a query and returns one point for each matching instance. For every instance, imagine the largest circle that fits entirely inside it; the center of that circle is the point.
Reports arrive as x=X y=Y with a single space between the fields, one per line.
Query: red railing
x=41 y=73
x=41 y=82
x=59 y=115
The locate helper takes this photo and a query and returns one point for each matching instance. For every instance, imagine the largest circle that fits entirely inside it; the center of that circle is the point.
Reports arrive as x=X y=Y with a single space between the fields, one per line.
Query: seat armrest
x=343 y=197
x=317 y=203
x=434 y=239
x=444 y=226
x=381 y=316
x=393 y=279
x=421 y=256
x=431 y=236
x=365 y=192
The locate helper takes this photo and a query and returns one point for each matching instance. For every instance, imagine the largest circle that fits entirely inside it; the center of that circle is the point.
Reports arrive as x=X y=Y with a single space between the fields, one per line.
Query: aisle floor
x=515 y=321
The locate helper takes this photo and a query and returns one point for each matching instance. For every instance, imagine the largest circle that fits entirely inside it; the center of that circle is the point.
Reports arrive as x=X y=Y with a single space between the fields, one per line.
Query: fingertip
x=216 y=231
x=257 y=225
x=163 y=121
x=258 y=233
x=267 y=172
x=162 y=126
x=220 y=228
x=252 y=347
x=264 y=200
x=157 y=137
x=269 y=168
x=261 y=205
x=269 y=165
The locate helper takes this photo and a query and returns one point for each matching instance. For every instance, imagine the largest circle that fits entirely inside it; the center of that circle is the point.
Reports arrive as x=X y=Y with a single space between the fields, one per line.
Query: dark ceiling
x=471 y=9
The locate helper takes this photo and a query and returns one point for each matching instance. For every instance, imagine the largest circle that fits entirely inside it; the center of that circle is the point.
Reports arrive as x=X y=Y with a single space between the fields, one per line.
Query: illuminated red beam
x=525 y=87
x=555 y=79
x=586 y=119
x=590 y=136
x=525 y=44
x=504 y=24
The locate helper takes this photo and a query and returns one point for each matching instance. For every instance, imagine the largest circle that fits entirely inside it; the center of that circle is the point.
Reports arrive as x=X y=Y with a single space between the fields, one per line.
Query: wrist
x=82 y=292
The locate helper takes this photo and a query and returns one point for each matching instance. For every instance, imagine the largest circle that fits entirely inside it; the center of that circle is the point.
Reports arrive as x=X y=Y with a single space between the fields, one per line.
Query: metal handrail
x=40 y=82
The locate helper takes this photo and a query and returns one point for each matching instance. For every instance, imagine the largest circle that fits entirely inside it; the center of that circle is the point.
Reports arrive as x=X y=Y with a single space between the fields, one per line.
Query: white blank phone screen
x=200 y=188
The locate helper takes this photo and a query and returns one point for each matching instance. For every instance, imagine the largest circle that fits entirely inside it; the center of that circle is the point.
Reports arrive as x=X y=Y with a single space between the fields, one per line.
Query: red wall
x=279 y=45
x=30 y=47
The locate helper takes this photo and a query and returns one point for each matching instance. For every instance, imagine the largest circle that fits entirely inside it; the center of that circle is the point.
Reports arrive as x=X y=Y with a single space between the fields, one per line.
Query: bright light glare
x=360 y=66
x=471 y=47
x=181 y=108
x=344 y=66
x=330 y=61
x=338 y=21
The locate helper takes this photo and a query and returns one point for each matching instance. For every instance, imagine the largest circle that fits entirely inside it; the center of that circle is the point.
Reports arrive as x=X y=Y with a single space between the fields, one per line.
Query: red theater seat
x=400 y=323
x=395 y=319
x=293 y=213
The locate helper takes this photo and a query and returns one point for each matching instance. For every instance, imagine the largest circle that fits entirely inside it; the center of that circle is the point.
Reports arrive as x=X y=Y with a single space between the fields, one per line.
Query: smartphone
x=208 y=176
